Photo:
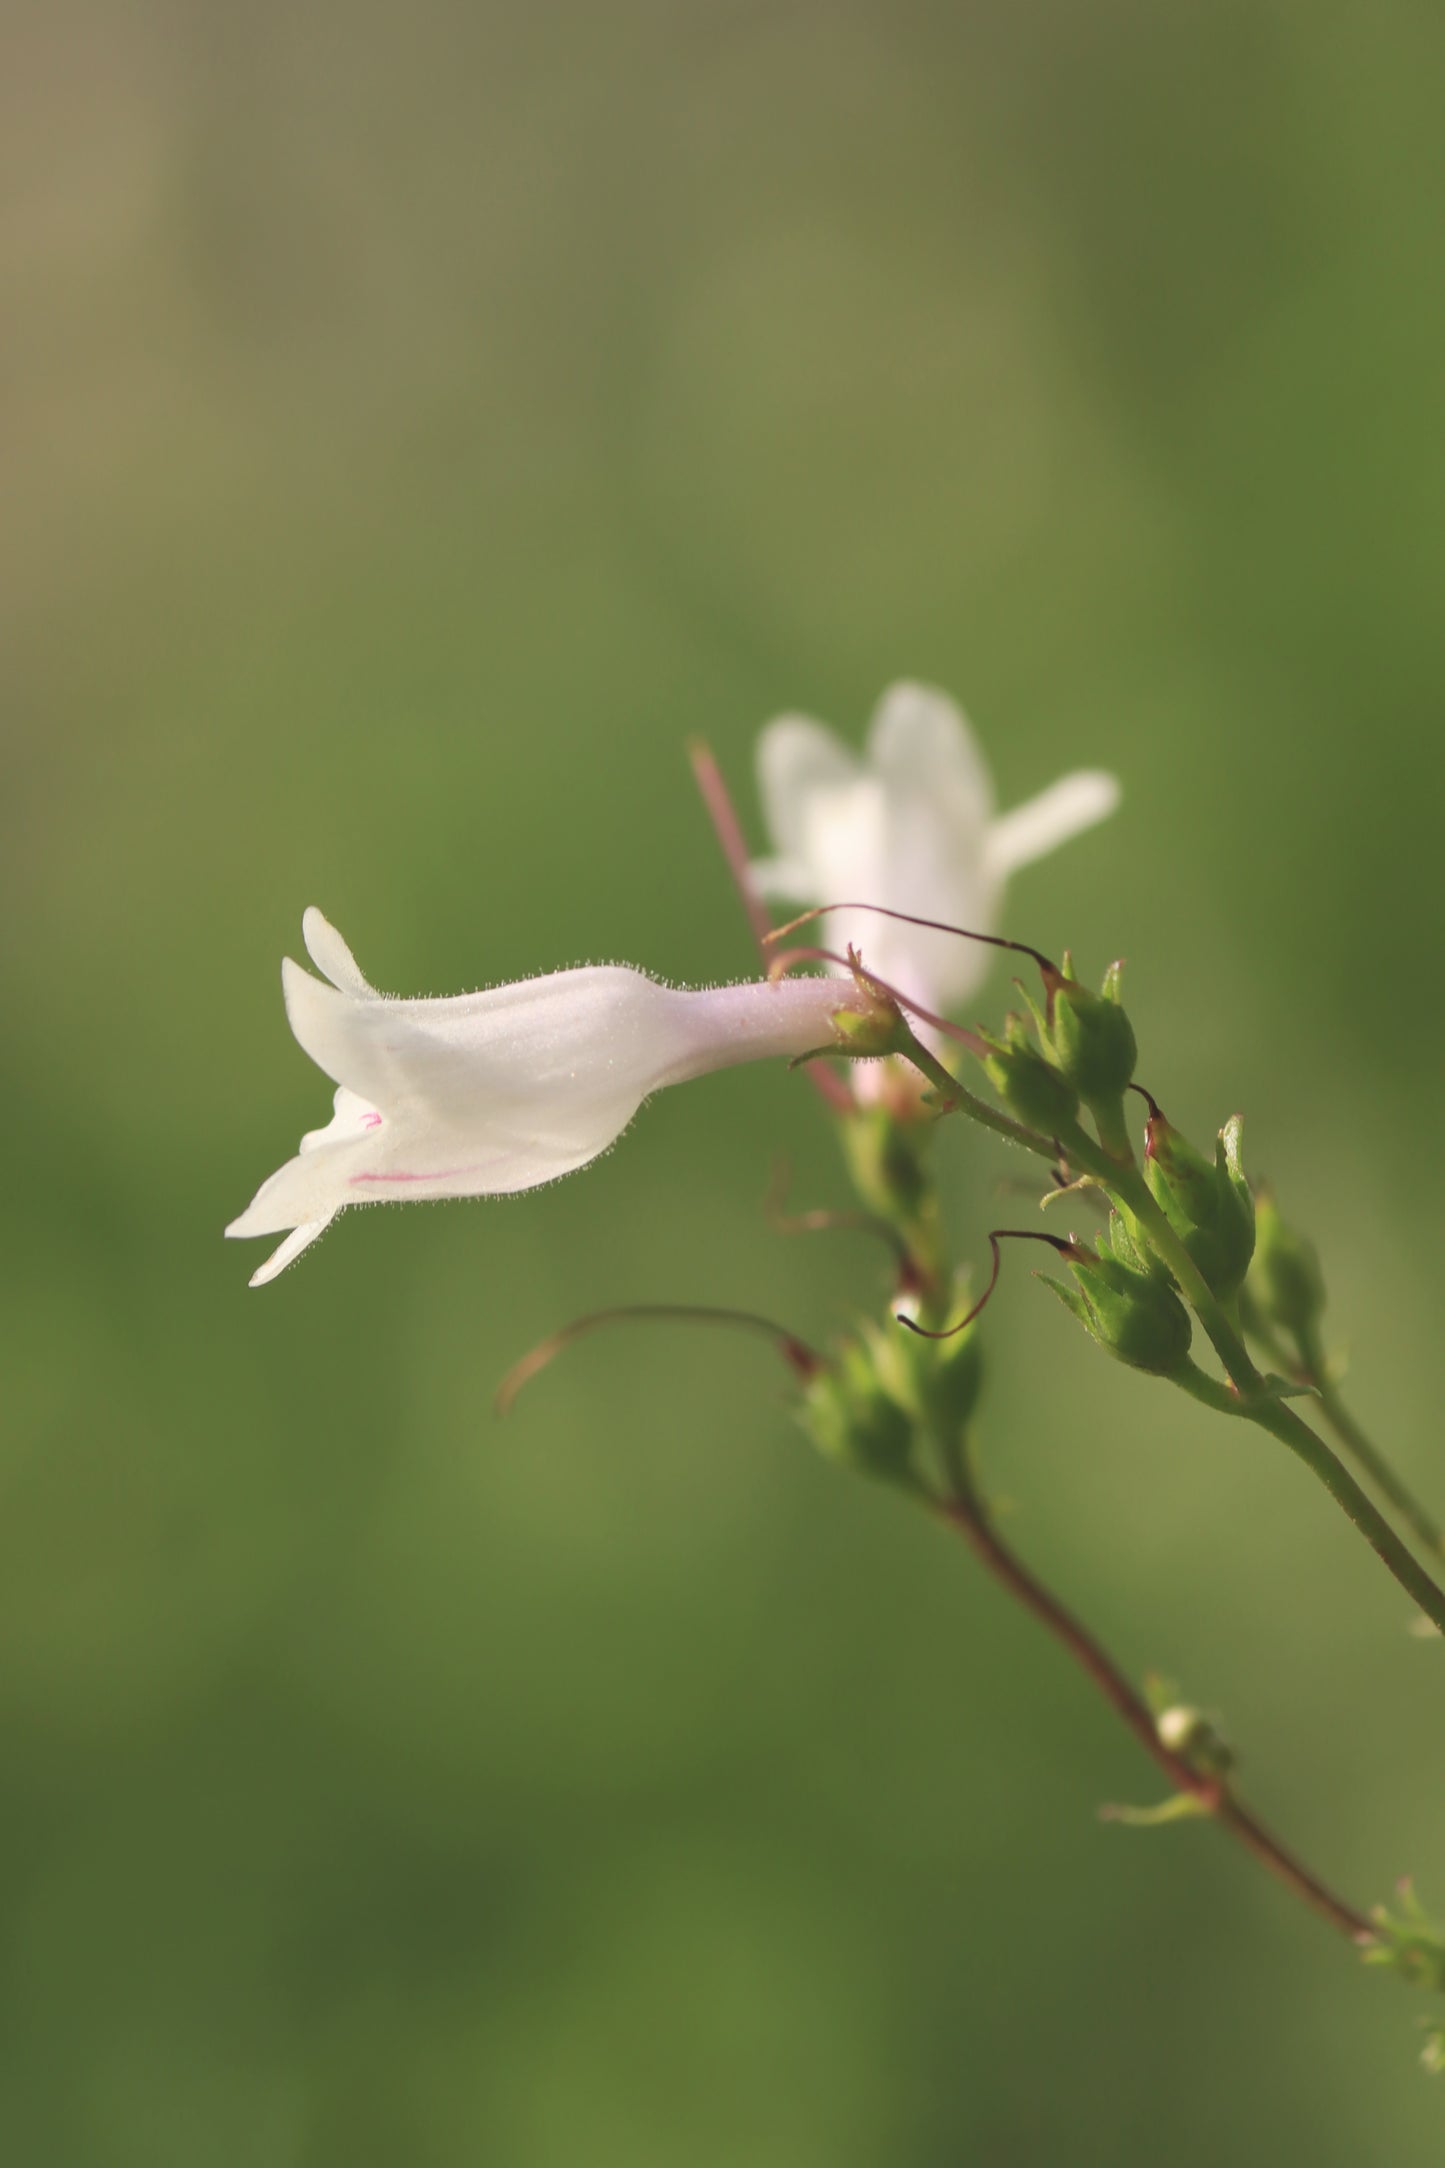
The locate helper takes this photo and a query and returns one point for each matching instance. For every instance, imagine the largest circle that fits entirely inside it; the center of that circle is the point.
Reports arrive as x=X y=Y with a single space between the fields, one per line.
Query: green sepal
x=1131 y=1246
x=1090 y=1037
x=1408 y=1942
x=1135 y=1315
x=852 y=1419
x=937 y=1382
x=1285 y=1281
x=1280 y=1388
x=1029 y=1085
x=1208 y=1203
x=1160 y=1692
x=1178 y=1807
x=1071 y=1299
x=868 y=1034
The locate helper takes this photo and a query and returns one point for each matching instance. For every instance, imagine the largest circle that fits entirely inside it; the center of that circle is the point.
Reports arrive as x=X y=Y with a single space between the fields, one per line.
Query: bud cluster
x=886 y=1394
x=1409 y=1942
x=1084 y=1056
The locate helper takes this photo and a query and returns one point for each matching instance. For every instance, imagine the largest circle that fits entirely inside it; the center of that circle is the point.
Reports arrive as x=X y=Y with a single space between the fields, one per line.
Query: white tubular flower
x=909 y=825
x=482 y=1094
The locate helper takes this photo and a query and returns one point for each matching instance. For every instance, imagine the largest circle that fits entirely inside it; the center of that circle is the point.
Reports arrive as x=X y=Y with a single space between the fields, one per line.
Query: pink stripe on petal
x=431 y=1174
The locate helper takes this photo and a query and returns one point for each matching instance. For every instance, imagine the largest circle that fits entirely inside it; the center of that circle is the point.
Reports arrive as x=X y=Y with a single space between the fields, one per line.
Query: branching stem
x=965 y=1513
x=1313 y=1371
x=1259 y=1403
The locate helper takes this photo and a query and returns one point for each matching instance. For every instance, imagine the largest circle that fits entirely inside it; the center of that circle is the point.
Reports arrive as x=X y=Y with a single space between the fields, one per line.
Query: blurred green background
x=417 y=423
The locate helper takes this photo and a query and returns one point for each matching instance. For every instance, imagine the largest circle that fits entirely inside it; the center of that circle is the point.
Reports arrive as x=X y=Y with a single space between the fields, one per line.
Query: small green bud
x=948 y=1374
x=1090 y=1037
x=1285 y=1281
x=871 y=1030
x=957 y=1379
x=1208 y=1203
x=1028 y=1083
x=936 y=1381
x=1135 y=1315
x=1188 y=1733
x=1408 y=1941
x=851 y=1418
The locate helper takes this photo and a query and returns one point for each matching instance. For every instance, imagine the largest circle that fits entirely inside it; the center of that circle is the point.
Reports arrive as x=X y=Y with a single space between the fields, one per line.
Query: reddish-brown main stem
x=1215 y=1798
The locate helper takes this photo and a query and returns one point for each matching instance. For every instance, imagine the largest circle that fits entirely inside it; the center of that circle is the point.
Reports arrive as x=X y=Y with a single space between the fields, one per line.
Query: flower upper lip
x=909 y=824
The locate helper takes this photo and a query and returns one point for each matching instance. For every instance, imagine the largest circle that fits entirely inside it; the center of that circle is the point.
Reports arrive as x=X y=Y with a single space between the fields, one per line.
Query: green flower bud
x=1285 y=1280
x=944 y=1377
x=871 y=1030
x=936 y=1381
x=1208 y=1203
x=956 y=1379
x=1090 y=1037
x=1029 y=1084
x=851 y=1418
x=1188 y=1733
x=1408 y=1941
x=1131 y=1246
x=1135 y=1315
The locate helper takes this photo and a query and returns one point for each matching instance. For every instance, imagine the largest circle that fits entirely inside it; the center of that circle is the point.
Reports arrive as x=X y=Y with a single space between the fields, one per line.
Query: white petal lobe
x=330 y=954
x=299 y=1239
x=1041 y=824
x=799 y=762
x=920 y=742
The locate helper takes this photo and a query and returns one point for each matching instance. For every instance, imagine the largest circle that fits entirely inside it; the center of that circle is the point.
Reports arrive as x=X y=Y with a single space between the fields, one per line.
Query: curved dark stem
x=1050 y=971
x=967 y=1517
x=826 y=1221
x=802 y=1359
x=997 y=1235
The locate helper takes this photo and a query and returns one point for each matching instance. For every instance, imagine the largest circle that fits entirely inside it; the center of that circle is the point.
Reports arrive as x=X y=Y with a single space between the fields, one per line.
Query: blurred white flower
x=503 y=1090
x=910 y=825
